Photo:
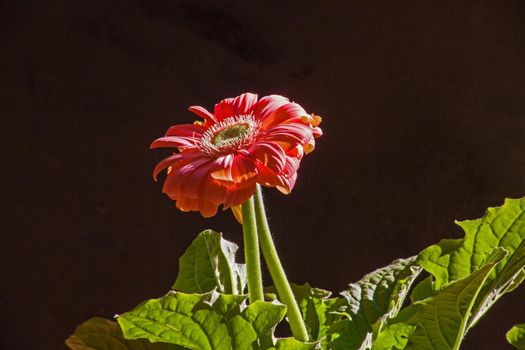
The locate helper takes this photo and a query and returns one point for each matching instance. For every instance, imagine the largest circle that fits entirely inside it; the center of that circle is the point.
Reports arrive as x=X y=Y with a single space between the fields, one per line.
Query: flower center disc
x=230 y=135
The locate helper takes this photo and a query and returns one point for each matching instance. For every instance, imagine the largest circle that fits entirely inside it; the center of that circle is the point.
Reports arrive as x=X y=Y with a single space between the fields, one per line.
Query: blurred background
x=423 y=106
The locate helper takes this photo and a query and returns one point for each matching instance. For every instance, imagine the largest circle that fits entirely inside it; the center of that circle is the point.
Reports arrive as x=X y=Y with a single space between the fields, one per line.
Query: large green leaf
x=516 y=336
x=367 y=304
x=101 y=334
x=450 y=260
x=209 y=264
x=210 y=321
x=441 y=321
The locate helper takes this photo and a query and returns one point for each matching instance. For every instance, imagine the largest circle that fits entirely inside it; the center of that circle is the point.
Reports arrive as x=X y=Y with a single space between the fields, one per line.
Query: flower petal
x=207 y=208
x=288 y=133
x=224 y=171
x=166 y=162
x=176 y=159
x=187 y=204
x=174 y=141
x=237 y=213
x=239 y=105
x=178 y=176
x=289 y=183
x=243 y=169
x=267 y=177
x=237 y=195
x=190 y=130
x=270 y=154
x=268 y=105
x=214 y=191
x=195 y=182
x=243 y=103
x=203 y=113
x=286 y=113
x=223 y=109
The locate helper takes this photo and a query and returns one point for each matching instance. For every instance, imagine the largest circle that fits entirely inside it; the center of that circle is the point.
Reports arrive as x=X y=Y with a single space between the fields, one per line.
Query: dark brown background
x=424 y=120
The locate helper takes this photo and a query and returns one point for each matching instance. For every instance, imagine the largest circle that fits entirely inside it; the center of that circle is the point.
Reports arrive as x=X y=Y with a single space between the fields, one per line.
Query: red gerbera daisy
x=244 y=142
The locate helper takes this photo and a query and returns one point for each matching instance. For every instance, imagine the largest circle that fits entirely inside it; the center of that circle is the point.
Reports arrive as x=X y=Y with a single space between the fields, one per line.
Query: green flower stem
x=276 y=270
x=251 y=252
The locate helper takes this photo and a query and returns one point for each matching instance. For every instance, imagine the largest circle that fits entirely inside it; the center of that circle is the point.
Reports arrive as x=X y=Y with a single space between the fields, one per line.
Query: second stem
x=251 y=252
x=276 y=270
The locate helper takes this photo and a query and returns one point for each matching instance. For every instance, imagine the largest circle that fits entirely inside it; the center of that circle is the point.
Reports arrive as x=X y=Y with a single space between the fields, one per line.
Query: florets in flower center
x=229 y=135
x=232 y=134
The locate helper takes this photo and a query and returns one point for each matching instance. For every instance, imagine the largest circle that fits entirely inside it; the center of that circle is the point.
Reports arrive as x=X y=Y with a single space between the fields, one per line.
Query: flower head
x=245 y=141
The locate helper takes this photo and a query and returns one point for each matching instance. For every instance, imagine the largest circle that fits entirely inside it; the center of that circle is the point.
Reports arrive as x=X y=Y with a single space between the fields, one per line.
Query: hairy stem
x=276 y=270
x=251 y=252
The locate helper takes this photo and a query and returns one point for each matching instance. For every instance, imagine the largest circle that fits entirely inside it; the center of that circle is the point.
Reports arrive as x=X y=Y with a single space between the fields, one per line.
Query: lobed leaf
x=203 y=321
x=450 y=260
x=101 y=334
x=209 y=264
x=369 y=303
x=441 y=321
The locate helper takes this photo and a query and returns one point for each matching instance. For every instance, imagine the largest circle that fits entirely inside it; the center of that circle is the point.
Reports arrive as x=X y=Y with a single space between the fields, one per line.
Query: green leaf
x=516 y=336
x=450 y=260
x=203 y=321
x=393 y=337
x=422 y=290
x=101 y=334
x=369 y=303
x=316 y=308
x=209 y=264
x=442 y=319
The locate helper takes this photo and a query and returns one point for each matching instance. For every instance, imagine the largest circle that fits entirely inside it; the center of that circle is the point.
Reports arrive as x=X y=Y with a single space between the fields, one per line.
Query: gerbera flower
x=244 y=142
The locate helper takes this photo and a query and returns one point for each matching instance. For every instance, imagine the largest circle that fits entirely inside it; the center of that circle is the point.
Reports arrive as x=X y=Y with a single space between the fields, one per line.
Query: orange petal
x=284 y=114
x=207 y=208
x=237 y=212
x=215 y=192
x=238 y=195
x=187 y=204
x=243 y=168
x=224 y=171
x=270 y=154
x=267 y=106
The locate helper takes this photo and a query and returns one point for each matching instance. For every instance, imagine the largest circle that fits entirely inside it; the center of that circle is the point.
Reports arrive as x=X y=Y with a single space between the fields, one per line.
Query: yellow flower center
x=229 y=135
